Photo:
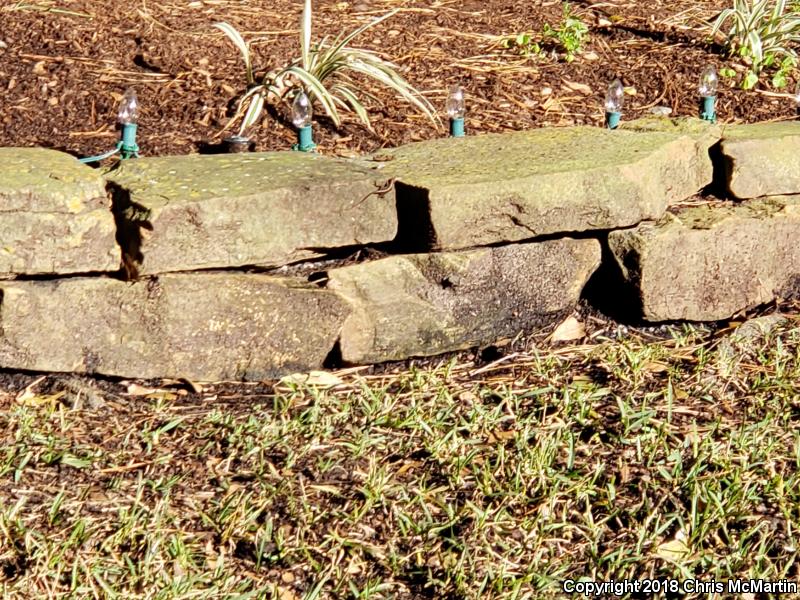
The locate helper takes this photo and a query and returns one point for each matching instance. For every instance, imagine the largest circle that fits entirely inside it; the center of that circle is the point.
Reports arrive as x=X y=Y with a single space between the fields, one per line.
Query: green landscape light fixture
x=455 y=110
x=127 y=119
x=709 y=81
x=301 y=118
x=614 y=100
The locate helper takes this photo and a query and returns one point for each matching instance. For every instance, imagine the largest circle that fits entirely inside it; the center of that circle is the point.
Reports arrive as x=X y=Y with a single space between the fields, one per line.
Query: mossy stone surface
x=707 y=263
x=55 y=216
x=677 y=125
x=508 y=187
x=196 y=212
x=41 y=180
x=761 y=159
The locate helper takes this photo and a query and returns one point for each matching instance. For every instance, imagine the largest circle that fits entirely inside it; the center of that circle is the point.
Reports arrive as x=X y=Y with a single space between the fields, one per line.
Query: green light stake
x=455 y=110
x=457 y=127
x=128 y=147
x=614 y=99
x=127 y=117
x=301 y=118
x=709 y=82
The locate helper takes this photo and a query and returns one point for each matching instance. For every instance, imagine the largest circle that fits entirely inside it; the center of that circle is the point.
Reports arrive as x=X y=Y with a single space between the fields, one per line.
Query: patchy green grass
x=637 y=458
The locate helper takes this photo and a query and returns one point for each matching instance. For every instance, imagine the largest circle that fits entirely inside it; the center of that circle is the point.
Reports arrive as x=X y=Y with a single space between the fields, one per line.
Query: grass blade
x=239 y=42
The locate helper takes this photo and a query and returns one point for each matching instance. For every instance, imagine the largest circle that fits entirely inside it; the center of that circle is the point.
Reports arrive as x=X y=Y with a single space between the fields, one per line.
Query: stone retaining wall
x=250 y=266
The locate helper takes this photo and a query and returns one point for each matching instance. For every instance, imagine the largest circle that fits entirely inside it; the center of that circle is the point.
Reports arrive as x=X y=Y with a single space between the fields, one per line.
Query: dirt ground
x=64 y=65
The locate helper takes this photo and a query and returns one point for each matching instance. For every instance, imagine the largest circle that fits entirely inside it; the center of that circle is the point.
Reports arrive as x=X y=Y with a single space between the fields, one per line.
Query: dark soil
x=65 y=63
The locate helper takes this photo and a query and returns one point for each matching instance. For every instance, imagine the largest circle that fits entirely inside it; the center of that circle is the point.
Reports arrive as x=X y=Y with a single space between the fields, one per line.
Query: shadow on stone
x=609 y=292
x=415 y=232
x=130 y=218
x=209 y=148
x=719 y=183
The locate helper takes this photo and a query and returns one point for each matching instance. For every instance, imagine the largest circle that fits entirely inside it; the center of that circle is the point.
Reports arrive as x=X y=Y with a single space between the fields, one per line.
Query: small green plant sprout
x=325 y=72
x=761 y=32
x=570 y=34
x=566 y=38
x=523 y=44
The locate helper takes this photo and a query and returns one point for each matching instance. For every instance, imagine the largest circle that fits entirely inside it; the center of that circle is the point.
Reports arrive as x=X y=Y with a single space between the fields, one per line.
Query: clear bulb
x=455 y=103
x=797 y=96
x=301 y=111
x=708 y=82
x=615 y=97
x=128 y=112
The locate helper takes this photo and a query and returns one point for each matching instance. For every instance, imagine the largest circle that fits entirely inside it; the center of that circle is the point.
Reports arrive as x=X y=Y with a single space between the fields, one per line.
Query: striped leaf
x=239 y=42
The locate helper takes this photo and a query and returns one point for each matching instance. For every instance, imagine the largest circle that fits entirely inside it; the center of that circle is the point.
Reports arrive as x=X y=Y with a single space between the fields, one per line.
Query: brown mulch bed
x=65 y=63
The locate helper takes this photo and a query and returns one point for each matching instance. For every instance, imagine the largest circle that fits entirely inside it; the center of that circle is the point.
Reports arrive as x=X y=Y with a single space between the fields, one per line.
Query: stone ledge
x=497 y=188
x=761 y=159
x=709 y=263
x=426 y=304
x=210 y=326
x=54 y=215
x=199 y=212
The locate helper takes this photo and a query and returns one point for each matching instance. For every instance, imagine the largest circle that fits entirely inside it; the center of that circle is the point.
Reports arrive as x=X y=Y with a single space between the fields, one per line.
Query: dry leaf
x=134 y=389
x=655 y=367
x=676 y=549
x=569 y=329
x=287 y=577
x=31 y=399
x=316 y=378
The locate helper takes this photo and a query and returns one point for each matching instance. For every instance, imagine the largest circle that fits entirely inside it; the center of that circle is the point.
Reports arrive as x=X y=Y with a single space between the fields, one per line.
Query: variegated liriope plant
x=324 y=71
x=763 y=33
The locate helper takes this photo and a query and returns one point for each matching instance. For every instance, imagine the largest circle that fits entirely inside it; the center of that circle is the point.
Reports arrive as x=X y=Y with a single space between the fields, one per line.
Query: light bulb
x=615 y=97
x=128 y=113
x=301 y=111
x=797 y=96
x=455 y=103
x=708 y=82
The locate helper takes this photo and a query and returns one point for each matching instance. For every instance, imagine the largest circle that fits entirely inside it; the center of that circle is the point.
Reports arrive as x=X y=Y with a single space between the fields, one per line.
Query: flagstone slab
x=55 y=216
x=230 y=210
x=762 y=159
x=707 y=263
x=479 y=190
x=203 y=326
x=426 y=304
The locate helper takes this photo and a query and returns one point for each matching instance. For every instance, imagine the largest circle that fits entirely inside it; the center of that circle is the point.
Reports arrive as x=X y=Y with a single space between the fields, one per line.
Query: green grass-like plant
x=762 y=33
x=629 y=456
x=325 y=71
